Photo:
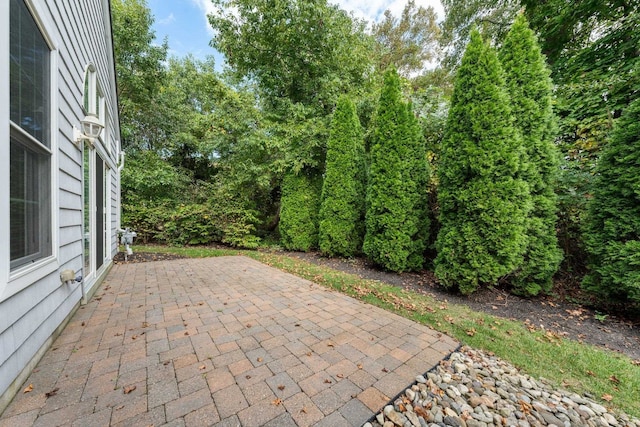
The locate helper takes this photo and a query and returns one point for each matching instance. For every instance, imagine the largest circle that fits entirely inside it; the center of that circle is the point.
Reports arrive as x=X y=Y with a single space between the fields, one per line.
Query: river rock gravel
x=475 y=389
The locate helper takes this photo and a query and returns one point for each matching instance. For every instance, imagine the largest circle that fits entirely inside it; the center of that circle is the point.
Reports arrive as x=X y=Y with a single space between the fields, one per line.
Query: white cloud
x=207 y=7
x=168 y=20
x=372 y=10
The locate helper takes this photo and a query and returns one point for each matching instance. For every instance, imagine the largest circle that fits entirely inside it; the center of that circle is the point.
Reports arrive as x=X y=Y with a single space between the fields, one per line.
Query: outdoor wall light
x=91 y=128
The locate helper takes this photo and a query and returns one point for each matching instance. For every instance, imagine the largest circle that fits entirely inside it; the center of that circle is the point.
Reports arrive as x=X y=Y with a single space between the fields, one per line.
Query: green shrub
x=299 y=211
x=612 y=230
x=192 y=224
x=530 y=88
x=483 y=201
x=341 y=217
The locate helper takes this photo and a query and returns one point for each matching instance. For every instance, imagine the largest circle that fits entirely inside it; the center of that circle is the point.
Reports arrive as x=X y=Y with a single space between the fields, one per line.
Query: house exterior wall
x=34 y=304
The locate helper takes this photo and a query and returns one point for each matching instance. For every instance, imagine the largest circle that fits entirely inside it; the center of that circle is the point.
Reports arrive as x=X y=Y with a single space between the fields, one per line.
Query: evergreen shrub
x=299 y=205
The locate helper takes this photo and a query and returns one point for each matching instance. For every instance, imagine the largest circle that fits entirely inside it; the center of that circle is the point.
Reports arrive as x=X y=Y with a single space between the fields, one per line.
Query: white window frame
x=14 y=281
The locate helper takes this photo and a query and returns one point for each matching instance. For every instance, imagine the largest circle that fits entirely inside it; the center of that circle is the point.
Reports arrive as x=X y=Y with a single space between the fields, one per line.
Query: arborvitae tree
x=528 y=82
x=299 y=211
x=418 y=170
x=483 y=201
x=341 y=226
x=612 y=232
x=392 y=220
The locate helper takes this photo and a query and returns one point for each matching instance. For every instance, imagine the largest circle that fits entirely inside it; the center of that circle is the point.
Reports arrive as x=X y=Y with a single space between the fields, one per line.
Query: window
x=30 y=139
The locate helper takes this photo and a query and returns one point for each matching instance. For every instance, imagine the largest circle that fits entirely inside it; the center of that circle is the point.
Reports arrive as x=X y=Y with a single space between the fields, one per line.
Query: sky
x=184 y=22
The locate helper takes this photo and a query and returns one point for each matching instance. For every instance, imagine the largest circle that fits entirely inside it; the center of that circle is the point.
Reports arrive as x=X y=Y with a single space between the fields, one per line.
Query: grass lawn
x=609 y=377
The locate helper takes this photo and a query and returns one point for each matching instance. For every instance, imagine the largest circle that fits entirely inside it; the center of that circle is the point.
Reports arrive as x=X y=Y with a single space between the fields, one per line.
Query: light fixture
x=91 y=128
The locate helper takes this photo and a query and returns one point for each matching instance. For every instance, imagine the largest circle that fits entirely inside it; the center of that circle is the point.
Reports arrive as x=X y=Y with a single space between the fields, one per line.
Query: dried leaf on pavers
x=134 y=337
x=280 y=387
x=248 y=377
x=331 y=344
x=52 y=392
x=607 y=397
x=248 y=325
x=129 y=389
x=28 y=389
x=201 y=367
x=385 y=370
x=327 y=381
x=297 y=324
x=145 y=325
x=259 y=359
x=303 y=410
x=277 y=402
x=340 y=375
x=309 y=353
x=82 y=324
x=359 y=365
x=186 y=332
x=165 y=363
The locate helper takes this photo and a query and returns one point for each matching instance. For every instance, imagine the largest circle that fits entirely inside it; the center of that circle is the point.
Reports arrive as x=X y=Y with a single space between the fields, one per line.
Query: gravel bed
x=475 y=389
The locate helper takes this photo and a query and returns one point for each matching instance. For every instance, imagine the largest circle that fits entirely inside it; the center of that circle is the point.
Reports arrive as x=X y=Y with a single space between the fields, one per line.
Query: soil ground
x=554 y=312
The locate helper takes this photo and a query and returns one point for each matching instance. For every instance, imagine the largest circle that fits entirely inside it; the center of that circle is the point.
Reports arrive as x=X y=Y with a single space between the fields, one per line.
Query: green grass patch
x=565 y=363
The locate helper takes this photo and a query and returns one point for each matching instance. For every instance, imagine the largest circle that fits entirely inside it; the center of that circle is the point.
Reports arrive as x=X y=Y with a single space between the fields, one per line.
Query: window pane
x=30 y=236
x=29 y=57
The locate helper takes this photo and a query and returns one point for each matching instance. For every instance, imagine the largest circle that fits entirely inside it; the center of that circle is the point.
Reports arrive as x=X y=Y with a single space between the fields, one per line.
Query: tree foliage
x=139 y=71
x=341 y=218
x=612 y=231
x=409 y=42
x=304 y=51
x=483 y=199
x=396 y=223
x=530 y=89
x=300 y=203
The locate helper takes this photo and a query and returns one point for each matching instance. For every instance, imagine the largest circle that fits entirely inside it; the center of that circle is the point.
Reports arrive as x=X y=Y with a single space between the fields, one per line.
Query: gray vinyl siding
x=81 y=33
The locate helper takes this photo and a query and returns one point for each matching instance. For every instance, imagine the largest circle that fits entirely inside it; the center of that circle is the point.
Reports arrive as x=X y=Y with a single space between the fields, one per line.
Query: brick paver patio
x=226 y=342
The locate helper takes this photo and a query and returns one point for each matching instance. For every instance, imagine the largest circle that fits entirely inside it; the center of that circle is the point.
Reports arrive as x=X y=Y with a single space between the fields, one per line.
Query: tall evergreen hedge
x=530 y=88
x=612 y=232
x=341 y=225
x=299 y=206
x=395 y=227
x=482 y=197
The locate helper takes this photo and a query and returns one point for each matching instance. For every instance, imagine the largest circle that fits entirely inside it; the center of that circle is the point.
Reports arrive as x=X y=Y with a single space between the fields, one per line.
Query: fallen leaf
x=28 y=389
x=303 y=410
x=281 y=387
x=591 y=373
x=607 y=397
x=331 y=344
x=129 y=389
x=248 y=377
x=201 y=367
x=635 y=362
x=471 y=332
x=614 y=379
x=259 y=359
x=145 y=325
x=340 y=375
x=249 y=325
x=359 y=365
x=421 y=412
x=297 y=324
x=52 y=392
x=186 y=332
x=277 y=402
x=82 y=324
x=309 y=353
x=134 y=337
x=385 y=370
x=327 y=381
